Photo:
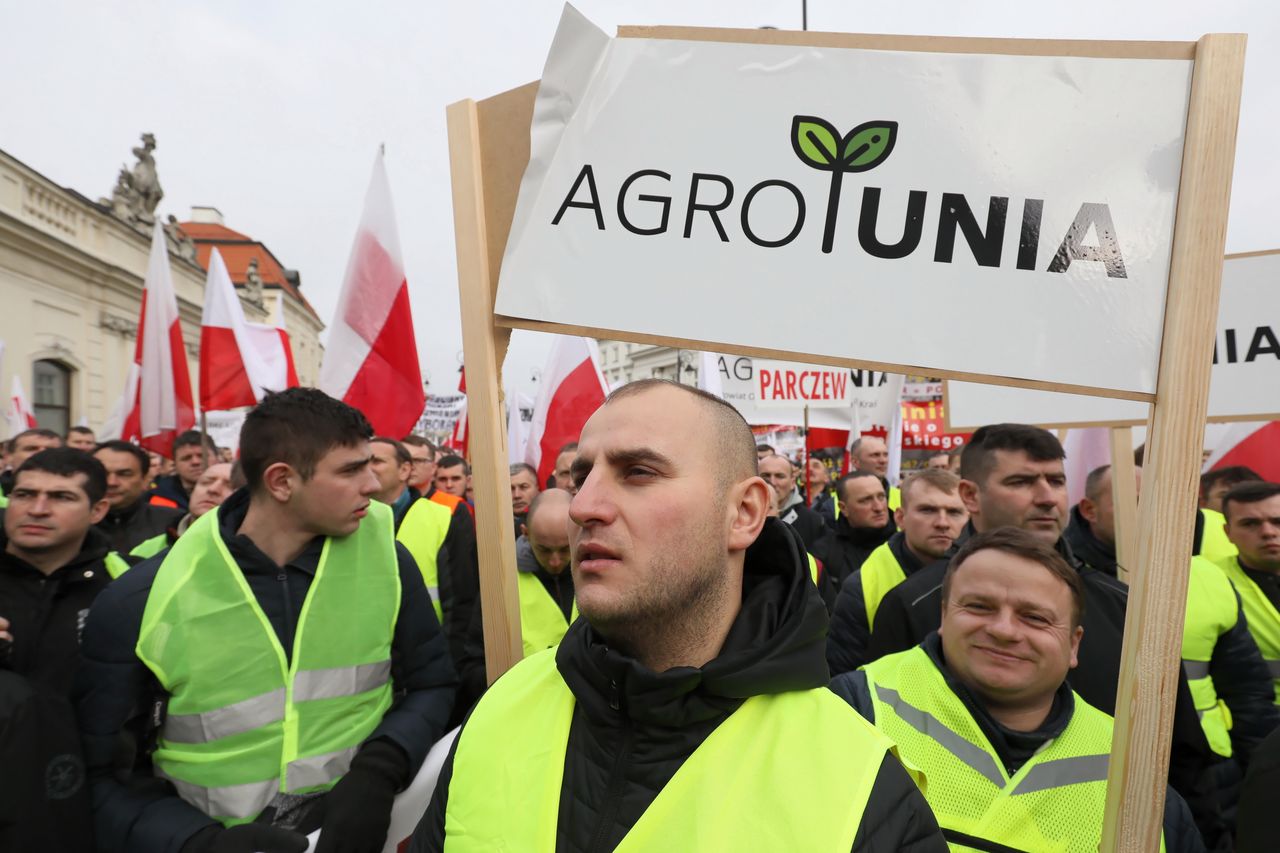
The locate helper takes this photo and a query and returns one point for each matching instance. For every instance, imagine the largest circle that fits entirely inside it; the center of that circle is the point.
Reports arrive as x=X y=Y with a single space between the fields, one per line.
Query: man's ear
x=1089 y=510
x=1075 y=645
x=749 y=505
x=897 y=517
x=968 y=491
x=98 y=511
x=279 y=481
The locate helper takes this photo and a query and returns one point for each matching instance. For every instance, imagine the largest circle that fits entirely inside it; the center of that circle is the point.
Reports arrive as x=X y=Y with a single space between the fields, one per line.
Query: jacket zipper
x=610 y=810
x=283 y=578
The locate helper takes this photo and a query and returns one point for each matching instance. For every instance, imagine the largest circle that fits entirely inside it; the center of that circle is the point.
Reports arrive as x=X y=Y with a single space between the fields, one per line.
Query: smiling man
x=700 y=646
x=293 y=648
x=1014 y=759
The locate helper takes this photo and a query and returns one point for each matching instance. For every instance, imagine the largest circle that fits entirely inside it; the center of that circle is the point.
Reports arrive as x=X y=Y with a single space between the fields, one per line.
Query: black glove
x=245 y=838
x=357 y=811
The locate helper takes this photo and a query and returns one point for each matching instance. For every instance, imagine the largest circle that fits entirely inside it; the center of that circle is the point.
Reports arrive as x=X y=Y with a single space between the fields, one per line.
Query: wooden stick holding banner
x=1124 y=499
x=478 y=200
x=1136 y=780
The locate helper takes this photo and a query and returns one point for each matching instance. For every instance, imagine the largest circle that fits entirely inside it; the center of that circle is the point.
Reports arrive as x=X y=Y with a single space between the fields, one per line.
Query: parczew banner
x=1032 y=195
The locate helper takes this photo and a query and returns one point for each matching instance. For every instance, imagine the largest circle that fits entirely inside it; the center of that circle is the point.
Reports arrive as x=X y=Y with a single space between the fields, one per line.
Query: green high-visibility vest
x=895 y=498
x=422 y=531
x=115 y=564
x=244 y=722
x=1211 y=612
x=542 y=622
x=880 y=572
x=813 y=566
x=1260 y=615
x=150 y=547
x=738 y=790
x=1053 y=804
x=1214 y=544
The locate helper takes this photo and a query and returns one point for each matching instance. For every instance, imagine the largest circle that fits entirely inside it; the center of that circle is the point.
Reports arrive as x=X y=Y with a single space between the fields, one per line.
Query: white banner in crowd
x=1246 y=372
x=224 y=427
x=782 y=384
x=1027 y=194
x=441 y=413
x=872 y=397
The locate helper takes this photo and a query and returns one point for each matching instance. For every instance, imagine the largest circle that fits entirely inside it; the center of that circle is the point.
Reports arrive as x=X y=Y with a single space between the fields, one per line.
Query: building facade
x=623 y=362
x=71 y=276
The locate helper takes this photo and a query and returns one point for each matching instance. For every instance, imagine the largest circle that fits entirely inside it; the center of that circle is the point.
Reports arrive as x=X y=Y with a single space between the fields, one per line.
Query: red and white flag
x=1253 y=445
x=158 y=398
x=239 y=361
x=21 y=417
x=371 y=361
x=572 y=388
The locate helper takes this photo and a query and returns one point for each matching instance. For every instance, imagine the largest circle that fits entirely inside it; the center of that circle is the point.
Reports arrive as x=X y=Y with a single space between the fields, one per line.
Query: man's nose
x=593 y=502
x=1002 y=624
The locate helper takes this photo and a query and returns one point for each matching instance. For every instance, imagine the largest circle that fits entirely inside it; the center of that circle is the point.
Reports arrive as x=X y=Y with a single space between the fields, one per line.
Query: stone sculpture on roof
x=137 y=192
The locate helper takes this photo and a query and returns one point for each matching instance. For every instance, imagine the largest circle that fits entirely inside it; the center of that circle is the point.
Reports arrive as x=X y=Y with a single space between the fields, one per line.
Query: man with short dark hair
x=81 y=438
x=699 y=647
x=940 y=461
x=930 y=520
x=132 y=519
x=53 y=564
x=291 y=644
x=1015 y=760
x=778 y=472
x=864 y=525
x=423 y=454
x=22 y=447
x=452 y=475
x=192 y=453
x=870 y=453
x=1012 y=475
x=564 y=463
x=1252 y=510
x=763 y=450
x=1091 y=532
x=524 y=488
x=1211 y=534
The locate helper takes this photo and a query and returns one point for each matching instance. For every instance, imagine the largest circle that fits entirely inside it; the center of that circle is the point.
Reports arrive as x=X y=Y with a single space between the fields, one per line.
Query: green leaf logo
x=818 y=144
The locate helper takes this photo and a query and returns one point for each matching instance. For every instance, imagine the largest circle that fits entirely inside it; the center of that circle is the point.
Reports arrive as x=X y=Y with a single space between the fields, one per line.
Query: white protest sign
x=872 y=399
x=1028 y=194
x=224 y=427
x=441 y=413
x=1245 y=384
x=783 y=384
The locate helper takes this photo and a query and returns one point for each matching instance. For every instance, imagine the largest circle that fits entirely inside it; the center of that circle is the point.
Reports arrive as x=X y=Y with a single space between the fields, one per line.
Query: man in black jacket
x=778 y=472
x=132 y=518
x=53 y=564
x=306 y=458
x=864 y=525
x=1012 y=476
x=22 y=447
x=696 y=610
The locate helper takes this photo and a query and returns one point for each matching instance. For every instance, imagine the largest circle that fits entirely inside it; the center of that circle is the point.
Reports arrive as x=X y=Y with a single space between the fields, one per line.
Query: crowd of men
x=725 y=649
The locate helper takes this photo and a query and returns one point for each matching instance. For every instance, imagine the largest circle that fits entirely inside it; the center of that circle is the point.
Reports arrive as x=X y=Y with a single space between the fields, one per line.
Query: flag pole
x=807 y=496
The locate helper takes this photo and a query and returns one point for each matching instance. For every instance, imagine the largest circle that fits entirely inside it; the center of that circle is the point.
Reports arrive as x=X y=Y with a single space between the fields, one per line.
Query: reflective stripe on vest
x=542 y=622
x=1211 y=612
x=1053 y=803
x=880 y=573
x=243 y=722
x=1214 y=544
x=115 y=564
x=422 y=531
x=1261 y=617
x=150 y=547
x=737 y=791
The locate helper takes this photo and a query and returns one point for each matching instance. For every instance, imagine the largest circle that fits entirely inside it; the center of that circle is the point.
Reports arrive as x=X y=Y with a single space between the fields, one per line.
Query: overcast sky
x=272 y=111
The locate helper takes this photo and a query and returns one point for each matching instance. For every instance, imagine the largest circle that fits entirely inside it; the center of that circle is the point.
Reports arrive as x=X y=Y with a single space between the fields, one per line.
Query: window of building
x=52 y=395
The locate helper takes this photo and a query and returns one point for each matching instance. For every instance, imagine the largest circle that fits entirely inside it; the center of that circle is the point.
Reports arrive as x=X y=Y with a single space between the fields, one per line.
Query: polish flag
x=239 y=361
x=21 y=418
x=371 y=361
x=572 y=389
x=158 y=396
x=1253 y=445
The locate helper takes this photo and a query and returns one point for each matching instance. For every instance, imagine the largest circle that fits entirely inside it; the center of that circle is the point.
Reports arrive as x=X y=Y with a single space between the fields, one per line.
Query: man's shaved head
x=551 y=498
x=732 y=438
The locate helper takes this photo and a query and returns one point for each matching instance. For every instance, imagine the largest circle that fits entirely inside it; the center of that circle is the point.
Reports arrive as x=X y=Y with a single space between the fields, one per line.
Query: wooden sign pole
x=484 y=347
x=1124 y=498
x=1152 y=652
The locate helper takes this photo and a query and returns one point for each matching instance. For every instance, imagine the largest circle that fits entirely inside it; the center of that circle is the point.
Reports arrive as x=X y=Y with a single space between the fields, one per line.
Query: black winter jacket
x=850 y=631
x=47 y=612
x=803 y=520
x=126 y=529
x=120 y=703
x=170 y=487
x=1016 y=748
x=913 y=610
x=632 y=728
x=844 y=550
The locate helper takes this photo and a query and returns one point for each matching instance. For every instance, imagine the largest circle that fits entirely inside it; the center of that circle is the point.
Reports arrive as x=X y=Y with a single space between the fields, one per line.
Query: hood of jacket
x=776 y=644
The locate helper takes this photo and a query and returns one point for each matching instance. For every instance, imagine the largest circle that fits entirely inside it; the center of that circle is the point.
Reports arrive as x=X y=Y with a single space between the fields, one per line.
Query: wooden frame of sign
x=489 y=148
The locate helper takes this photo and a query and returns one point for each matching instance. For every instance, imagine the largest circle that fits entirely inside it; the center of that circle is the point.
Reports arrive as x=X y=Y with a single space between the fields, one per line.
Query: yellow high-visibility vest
x=880 y=572
x=1260 y=615
x=422 y=531
x=1211 y=612
x=542 y=622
